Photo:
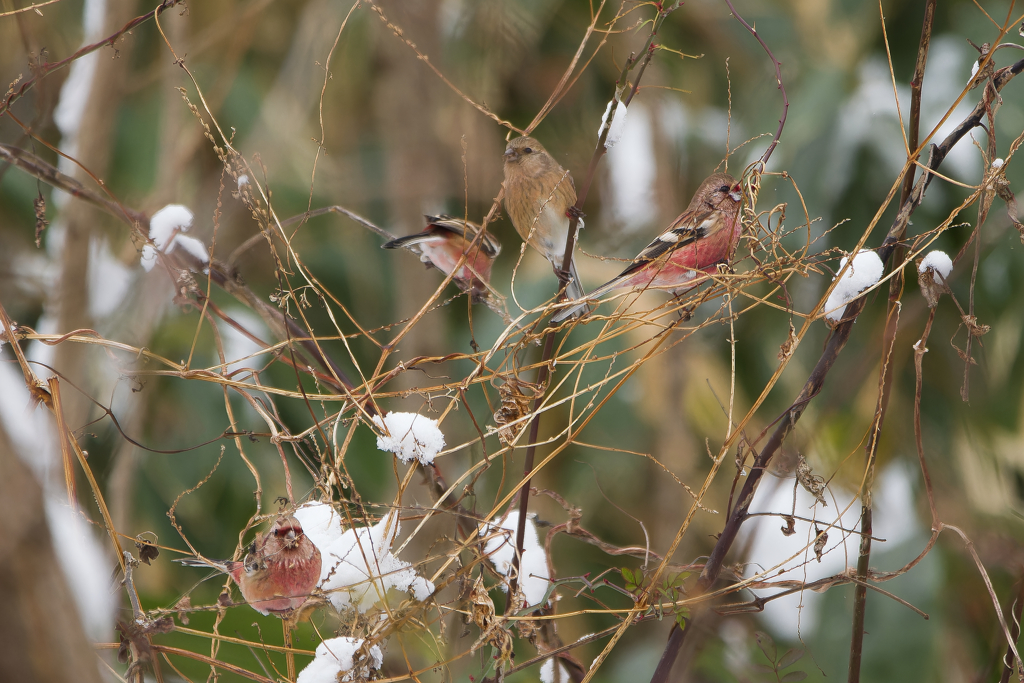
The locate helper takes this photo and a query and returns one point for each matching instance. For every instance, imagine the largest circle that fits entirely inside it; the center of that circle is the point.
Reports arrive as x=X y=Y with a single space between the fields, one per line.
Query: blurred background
x=357 y=119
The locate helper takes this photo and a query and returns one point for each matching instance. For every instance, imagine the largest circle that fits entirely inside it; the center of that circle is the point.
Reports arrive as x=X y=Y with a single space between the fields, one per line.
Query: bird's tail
x=574 y=291
x=224 y=566
x=571 y=312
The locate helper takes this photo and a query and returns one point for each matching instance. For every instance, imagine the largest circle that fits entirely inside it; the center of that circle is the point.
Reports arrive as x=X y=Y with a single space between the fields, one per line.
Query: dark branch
x=46 y=68
x=570 y=247
x=835 y=345
x=888 y=340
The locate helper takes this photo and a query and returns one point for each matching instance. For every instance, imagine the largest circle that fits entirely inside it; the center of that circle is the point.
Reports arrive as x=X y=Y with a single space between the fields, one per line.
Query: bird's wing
x=687 y=229
x=566 y=191
x=408 y=241
x=468 y=230
x=451 y=223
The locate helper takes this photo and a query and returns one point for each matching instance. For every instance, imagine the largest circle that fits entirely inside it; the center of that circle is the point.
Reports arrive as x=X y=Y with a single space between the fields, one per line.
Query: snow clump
x=412 y=437
x=335 y=656
x=939 y=263
x=165 y=229
x=356 y=566
x=500 y=549
x=547 y=672
x=864 y=272
x=618 y=124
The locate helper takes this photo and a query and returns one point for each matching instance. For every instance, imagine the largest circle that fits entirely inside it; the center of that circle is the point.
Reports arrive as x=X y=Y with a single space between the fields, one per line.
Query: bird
x=280 y=569
x=443 y=242
x=540 y=199
x=701 y=238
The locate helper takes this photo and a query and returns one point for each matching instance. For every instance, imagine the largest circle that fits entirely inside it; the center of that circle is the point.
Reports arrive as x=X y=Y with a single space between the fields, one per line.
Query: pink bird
x=280 y=570
x=443 y=242
x=704 y=236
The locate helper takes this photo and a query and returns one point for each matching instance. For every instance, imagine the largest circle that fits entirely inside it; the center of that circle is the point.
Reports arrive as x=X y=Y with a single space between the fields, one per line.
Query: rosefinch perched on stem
x=705 y=235
x=539 y=199
x=281 y=568
x=442 y=244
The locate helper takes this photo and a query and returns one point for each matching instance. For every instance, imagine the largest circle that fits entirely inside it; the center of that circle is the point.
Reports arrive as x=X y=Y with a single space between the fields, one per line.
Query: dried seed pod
x=810 y=481
x=929 y=288
x=41 y=223
x=515 y=395
x=788 y=347
x=483 y=606
x=492 y=631
x=790 y=527
x=819 y=543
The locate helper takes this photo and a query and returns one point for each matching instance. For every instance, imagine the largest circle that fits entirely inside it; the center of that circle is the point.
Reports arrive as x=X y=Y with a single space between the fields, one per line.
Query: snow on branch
x=412 y=437
x=165 y=229
x=500 y=549
x=337 y=656
x=357 y=568
x=864 y=272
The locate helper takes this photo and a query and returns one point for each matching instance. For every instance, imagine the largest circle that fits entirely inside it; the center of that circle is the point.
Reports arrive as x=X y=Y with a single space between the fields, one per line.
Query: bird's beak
x=509 y=153
x=736 y=192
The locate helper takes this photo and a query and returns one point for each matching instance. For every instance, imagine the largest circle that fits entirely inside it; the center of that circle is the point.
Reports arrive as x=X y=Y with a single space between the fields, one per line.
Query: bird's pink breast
x=446 y=254
x=684 y=264
x=285 y=583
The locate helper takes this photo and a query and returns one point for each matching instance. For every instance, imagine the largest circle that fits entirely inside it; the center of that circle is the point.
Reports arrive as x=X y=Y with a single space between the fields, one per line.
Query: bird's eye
x=527 y=150
x=723 y=188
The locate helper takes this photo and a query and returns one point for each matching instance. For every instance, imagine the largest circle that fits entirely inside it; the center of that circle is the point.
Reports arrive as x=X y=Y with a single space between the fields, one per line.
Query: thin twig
x=886 y=379
x=46 y=68
x=921 y=348
x=28 y=8
x=1011 y=642
x=815 y=380
x=778 y=79
x=1015 y=612
x=570 y=246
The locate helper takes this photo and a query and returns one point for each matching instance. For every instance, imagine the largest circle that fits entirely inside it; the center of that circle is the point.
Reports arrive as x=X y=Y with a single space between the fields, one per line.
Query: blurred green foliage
x=397 y=142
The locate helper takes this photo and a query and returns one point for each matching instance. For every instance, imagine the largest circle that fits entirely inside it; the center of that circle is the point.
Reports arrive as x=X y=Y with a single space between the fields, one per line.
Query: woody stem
x=287 y=624
x=715 y=562
x=570 y=247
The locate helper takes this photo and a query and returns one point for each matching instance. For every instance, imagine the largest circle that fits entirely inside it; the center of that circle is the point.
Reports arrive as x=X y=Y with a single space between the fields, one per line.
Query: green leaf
x=794 y=676
x=767 y=645
x=675 y=580
x=791 y=657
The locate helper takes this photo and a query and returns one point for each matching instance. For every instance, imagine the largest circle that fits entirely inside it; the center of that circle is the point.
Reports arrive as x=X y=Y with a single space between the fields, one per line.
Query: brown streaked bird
x=539 y=199
x=443 y=242
x=280 y=570
x=696 y=242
